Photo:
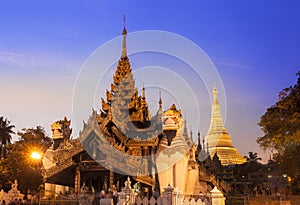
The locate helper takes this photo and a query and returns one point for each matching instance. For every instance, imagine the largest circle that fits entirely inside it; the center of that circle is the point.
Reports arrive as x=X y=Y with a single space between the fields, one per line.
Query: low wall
x=271 y=200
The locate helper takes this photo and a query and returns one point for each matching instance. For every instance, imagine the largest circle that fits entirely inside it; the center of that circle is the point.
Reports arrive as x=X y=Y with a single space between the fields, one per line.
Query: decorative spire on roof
x=185 y=131
x=143 y=93
x=123 y=99
x=124 y=33
x=160 y=100
x=124 y=29
x=199 y=140
x=215 y=95
x=203 y=142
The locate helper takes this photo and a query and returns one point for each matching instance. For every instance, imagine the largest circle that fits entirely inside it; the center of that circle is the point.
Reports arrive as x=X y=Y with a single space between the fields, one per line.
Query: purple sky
x=43 y=44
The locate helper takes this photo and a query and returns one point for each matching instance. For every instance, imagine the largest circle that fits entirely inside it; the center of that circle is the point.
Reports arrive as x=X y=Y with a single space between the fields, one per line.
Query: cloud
x=17 y=59
x=235 y=65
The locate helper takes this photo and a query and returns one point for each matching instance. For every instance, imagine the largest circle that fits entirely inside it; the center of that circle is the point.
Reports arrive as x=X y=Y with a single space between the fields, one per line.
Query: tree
x=250 y=166
x=242 y=173
x=281 y=127
x=253 y=157
x=5 y=134
x=19 y=164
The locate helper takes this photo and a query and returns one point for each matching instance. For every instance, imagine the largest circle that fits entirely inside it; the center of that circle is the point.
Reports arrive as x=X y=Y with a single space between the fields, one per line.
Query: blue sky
x=43 y=44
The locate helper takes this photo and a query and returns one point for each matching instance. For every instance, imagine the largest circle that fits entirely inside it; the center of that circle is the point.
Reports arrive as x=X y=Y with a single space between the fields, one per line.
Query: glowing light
x=35 y=155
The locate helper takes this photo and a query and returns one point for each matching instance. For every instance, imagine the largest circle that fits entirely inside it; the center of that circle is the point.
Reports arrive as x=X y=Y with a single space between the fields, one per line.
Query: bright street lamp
x=36 y=155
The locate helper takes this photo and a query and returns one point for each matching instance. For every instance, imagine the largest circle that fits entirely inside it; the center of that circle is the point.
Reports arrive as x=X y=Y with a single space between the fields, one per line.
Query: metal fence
x=59 y=202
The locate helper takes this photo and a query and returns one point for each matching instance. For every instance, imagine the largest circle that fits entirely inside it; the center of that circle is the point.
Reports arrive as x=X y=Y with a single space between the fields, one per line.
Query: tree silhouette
x=6 y=130
x=19 y=165
x=252 y=157
x=281 y=127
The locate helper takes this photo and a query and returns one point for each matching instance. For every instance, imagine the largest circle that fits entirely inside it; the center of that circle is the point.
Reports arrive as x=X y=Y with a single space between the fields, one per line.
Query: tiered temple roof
x=124 y=139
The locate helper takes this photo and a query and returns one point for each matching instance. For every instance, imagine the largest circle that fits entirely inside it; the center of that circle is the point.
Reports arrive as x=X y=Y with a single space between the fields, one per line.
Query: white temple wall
x=180 y=174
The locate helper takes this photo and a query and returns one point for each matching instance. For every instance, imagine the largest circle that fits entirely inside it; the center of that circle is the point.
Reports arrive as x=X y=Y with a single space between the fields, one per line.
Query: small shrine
x=12 y=195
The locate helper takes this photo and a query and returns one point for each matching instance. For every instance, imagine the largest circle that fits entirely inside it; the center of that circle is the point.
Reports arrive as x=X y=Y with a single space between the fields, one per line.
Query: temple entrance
x=96 y=181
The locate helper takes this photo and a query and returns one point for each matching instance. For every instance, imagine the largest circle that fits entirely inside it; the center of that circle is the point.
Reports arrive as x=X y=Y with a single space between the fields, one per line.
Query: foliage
x=242 y=171
x=281 y=127
x=5 y=134
x=281 y=122
x=19 y=165
x=252 y=157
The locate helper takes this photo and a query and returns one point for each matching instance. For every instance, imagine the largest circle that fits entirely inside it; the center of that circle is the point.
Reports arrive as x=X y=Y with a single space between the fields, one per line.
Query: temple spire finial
x=124 y=33
x=160 y=103
x=143 y=93
x=199 y=138
x=160 y=100
x=215 y=94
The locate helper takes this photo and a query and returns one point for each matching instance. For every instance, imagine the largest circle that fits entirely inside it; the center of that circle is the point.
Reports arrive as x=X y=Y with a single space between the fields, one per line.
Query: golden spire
x=124 y=33
x=216 y=124
x=218 y=141
x=215 y=95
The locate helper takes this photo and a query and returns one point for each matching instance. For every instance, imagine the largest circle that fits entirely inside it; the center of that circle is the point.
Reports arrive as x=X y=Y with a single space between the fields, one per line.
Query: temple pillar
x=180 y=173
x=77 y=179
x=111 y=180
x=130 y=151
x=145 y=160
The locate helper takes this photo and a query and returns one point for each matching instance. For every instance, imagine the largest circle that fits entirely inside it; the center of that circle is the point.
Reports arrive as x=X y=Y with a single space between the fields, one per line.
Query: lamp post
x=36 y=157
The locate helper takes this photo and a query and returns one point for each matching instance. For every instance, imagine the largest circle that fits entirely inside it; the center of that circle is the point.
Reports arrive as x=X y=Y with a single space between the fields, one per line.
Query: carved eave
x=118 y=134
x=62 y=157
x=146 y=179
x=139 y=143
x=91 y=126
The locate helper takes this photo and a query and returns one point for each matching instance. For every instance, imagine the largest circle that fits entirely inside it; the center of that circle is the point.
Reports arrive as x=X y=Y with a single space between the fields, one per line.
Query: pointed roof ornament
x=185 y=131
x=215 y=94
x=124 y=33
x=143 y=93
x=199 y=138
x=191 y=135
x=160 y=100
x=207 y=150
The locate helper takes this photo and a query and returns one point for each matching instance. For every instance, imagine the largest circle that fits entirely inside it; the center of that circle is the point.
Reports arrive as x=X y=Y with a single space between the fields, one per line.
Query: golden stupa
x=218 y=140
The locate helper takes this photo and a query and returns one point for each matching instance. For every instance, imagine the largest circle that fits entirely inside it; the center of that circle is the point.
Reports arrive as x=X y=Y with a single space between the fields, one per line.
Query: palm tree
x=253 y=157
x=5 y=134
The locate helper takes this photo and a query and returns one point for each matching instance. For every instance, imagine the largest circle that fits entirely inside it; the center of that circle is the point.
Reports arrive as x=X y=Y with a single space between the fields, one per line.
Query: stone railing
x=180 y=201
x=170 y=196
